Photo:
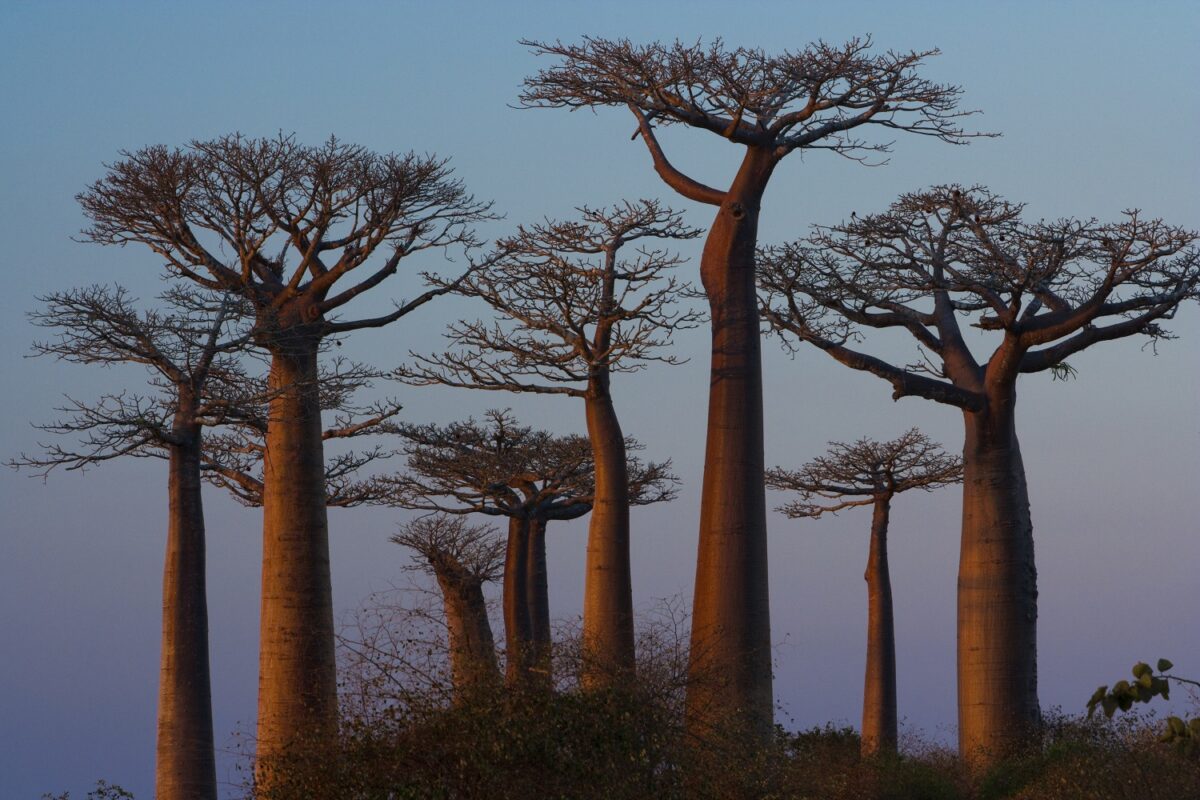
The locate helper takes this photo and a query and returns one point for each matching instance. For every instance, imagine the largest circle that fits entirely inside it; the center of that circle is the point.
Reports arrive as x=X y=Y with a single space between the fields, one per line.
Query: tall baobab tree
x=871 y=473
x=190 y=348
x=299 y=232
x=1046 y=290
x=572 y=309
x=461 y=558
x=821 y=97
x=501 y=468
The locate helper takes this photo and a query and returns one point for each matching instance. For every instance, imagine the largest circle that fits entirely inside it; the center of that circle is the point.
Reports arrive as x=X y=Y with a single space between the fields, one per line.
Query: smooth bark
x=297 y=699
x=608 y=649
x=997 y=589
x=472 y=648
x=517 y=629
x=730 y=663
x=185 y=767
x=879 y=721
x=537 y=603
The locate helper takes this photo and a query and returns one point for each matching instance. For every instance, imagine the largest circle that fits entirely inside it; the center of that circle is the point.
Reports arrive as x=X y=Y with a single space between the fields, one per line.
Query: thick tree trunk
x=185 y=768
x=537 y=599
x=879 y=722
x=997 y=590
x=730 y=663
x=472 y=649
x=516 y=609
x=608 y=654
x=297 y=689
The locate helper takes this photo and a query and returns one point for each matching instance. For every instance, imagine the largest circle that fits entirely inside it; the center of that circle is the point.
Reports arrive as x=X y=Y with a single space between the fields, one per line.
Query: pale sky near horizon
x=1098 y=107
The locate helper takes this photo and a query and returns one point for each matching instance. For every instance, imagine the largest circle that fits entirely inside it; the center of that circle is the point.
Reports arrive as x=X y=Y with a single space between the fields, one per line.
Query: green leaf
x=1096 y=697
x=1109 y=704
x=1194 y=727
x=1164 y=665
x=1177 y=727
x=1141 y=669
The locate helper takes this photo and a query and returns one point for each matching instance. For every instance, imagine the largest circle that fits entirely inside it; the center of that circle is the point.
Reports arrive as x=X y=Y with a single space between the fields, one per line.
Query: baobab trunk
x=472 y=648
x=297 y=689
x=997 y=590
x=608 y=649
x=537 y=600
x=879 y=721
x=730 y=663
x=185 y=768
x=516 y=609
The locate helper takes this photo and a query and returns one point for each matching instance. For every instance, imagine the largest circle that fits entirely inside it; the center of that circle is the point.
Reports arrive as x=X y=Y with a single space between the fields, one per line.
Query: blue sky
x=1098 y=106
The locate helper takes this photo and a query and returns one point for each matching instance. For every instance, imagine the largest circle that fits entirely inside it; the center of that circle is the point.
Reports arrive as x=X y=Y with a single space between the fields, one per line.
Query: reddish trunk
x=297 y=692
x=537 y=600
x=997 y=590
x=516 y=609
x=185 y=768
x=608 y=653
x=472 y=648
x=730 y=664
x=879 y=722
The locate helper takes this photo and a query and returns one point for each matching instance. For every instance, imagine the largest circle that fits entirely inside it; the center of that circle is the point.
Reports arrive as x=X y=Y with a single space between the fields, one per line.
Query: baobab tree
x=501 y=468
x=190 y=347
x=871 y=473
x=572 y=309
x=461 y=558
x=1046 y=290
x=818 y=98
x=298 y=232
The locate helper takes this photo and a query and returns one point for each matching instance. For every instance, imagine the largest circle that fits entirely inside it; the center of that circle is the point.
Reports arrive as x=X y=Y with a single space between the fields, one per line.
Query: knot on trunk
x=737 y=210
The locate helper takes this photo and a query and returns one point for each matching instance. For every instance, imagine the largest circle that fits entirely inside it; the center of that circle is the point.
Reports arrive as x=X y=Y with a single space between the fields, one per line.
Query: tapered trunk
x=537 y=600
x=185 y=768
x=297 y=688
x=730 y=663
x=516 y=608
x=997 y=590
x=472 y=648
x=608 y=654
x=879 y=722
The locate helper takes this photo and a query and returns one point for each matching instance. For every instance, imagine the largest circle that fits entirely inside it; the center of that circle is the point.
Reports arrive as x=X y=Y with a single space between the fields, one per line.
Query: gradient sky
x=1097 y=103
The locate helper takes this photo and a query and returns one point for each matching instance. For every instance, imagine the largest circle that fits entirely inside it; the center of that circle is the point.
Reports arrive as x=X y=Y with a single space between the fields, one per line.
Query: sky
x=1098 y=106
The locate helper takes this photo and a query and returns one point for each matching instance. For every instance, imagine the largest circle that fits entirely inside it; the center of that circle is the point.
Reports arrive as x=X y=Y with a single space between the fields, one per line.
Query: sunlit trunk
x=879 y=721
x=997 y=590
x=537 y=599
x=516 y=609
x=297 y=690
x=730 y=662
x=185 y=768
x=472 y=648
x=608 y=654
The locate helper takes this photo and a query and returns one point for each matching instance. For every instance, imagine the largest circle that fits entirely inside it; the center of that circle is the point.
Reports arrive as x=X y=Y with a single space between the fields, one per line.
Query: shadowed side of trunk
x=608 y=649
x=997 y=591
x=472 y=649
x=537 y=599
x=879 y=721
x=730 y=663
x=516 y=609
x=297 y=680
x=185 y=768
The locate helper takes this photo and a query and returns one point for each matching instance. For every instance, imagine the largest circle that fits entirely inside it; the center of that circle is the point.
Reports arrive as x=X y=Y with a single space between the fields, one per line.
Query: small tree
x=1047 y=291
x=572 y=310
x=189 y=346
x=871 y=473
x=298 y=232
x=820 y=97
x=461 y=558
x=500 y=468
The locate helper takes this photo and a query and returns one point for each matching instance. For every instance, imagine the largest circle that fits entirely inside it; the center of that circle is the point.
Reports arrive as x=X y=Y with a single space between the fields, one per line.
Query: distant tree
x=500 y=468
x=572 y=309
x=770 y=106
x=290 y=229
x=871 y=473
x=190 y=348
x=461 y=558
x=1047 y=290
